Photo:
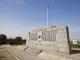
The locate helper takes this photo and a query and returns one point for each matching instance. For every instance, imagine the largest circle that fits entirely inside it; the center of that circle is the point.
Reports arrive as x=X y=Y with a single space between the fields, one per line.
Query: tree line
x=16 y=41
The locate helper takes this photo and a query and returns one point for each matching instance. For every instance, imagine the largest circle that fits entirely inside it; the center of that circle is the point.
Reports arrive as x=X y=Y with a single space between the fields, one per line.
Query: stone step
x=33 y=50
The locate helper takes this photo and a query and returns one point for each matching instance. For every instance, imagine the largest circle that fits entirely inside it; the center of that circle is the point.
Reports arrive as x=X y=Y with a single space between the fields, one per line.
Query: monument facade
x=51 y=39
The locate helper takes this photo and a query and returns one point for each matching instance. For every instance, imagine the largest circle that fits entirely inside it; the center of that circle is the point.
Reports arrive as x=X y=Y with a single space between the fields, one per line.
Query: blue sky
x=17 y=17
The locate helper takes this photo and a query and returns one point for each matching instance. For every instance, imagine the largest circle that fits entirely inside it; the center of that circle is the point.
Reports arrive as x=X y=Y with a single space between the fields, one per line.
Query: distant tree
x=3 y=39
x=11 y=41
x=24 y=41
x=18 y=40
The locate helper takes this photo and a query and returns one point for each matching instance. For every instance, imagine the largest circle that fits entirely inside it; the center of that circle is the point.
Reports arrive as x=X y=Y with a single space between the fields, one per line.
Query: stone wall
x=52 y=39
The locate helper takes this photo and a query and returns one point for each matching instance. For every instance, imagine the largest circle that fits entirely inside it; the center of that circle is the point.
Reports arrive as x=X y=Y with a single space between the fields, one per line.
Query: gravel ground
x=17 y=53
x=21 y=54
x=5 y=55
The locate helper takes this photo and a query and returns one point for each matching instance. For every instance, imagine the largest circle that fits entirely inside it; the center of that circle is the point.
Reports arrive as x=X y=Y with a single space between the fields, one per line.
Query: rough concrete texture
x=59 y=56
x=50 y=40
x=33 y=51
x=53 y=42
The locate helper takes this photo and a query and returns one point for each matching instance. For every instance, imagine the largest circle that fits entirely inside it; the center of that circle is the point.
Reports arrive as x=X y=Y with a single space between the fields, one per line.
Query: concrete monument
x=51 y=39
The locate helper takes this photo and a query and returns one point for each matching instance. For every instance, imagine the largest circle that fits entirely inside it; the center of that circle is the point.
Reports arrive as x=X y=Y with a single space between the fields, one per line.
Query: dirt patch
x=5 y=55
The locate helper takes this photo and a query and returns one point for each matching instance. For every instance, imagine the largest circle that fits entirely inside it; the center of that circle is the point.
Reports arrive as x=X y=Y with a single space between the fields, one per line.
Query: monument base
x=58 y=56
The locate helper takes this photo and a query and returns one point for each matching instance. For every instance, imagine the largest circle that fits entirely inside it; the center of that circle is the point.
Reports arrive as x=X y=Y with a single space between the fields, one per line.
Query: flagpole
x=47 y=16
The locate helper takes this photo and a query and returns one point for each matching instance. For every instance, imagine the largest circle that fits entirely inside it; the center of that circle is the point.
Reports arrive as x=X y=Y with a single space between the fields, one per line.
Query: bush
x=75 y=45
x=3 y=39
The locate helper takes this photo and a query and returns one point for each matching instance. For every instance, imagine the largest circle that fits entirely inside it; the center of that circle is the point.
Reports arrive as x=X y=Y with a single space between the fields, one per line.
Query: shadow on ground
x=75 y=51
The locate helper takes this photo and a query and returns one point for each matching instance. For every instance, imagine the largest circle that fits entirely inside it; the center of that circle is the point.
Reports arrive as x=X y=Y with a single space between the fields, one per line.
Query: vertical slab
x=51 y=39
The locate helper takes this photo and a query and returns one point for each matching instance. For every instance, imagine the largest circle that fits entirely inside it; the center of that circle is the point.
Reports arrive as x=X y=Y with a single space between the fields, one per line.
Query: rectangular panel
x=33 y=36
x=49 y=35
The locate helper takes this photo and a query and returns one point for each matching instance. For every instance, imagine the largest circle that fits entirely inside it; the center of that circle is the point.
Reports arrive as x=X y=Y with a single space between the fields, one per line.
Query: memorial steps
x=33 y=51
x=28 y=49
